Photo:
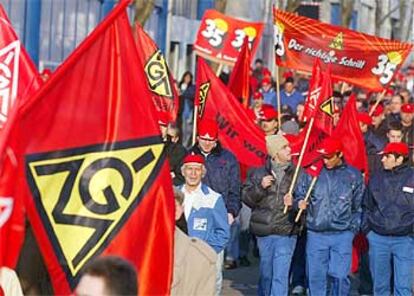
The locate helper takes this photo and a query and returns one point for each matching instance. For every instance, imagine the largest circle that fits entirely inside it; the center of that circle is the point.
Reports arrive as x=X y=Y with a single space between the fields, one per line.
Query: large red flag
x=360 y=59
x=237 y=132
x=160 y=81
x=315 y=87
x=349 y=132
x=92 y=164
x=18 y=80
x=239 y=83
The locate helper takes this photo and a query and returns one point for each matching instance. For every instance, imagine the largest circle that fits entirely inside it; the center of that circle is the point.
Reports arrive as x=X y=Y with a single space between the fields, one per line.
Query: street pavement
x=242 y=280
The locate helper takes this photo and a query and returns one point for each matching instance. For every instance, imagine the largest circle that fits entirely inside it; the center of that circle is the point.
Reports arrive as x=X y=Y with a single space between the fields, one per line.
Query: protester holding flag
x=204 y=210
x=388 y=221
x=333 y=218
x=268 y=120
x=265 y=192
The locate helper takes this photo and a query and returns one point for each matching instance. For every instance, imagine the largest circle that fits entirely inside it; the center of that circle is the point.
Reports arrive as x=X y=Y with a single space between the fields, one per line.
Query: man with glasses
x=388 y=220
x=333 y=218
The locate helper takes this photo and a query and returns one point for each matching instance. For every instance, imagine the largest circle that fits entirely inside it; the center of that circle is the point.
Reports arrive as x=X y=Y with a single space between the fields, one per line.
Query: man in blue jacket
x=333 y=217
x=204 y=209
x=223 y=176
x=389 y=219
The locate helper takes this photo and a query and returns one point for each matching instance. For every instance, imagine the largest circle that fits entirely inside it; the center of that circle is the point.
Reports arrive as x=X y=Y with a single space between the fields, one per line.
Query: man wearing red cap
x=223 y=176
x=388 y=221
x=289 y=96
x=333 y=218
x=268 y=91
x=379 y=126
x=265 y=192
x=204 y=209
x=268 y=120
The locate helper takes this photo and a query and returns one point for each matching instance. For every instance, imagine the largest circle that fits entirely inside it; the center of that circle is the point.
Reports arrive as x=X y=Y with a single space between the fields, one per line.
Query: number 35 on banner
x=386 y=66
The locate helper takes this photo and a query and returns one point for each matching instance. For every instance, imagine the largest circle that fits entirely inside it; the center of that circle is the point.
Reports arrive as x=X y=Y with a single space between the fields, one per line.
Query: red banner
x=95 y=176
x=160 y=81
x=18 y=80
x=237 y=132
x=360 y=59
x=220 y=37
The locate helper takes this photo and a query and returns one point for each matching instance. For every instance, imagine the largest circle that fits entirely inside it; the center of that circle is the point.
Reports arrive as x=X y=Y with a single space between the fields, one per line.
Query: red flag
x=239 y=83
x=160 y=81
x=237 y=132
x=357 y=58
x=349 y=132
x=92 y=163
x=18 y=80
x=315 y=87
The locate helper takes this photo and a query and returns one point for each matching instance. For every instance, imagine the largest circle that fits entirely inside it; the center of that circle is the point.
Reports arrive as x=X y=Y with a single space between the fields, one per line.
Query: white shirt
x=189 y=198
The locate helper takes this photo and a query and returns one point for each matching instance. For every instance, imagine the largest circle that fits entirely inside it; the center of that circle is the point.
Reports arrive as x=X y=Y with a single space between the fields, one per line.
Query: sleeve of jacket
x=301 y=188
x=358 y=193
x=221 y=234
x=252 y=190
x=233 y=201
x=367 y=205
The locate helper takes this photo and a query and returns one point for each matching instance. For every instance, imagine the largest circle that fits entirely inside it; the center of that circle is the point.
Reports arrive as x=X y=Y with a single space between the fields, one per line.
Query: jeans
x=276 y=253
x=329 y=254
x=219 y=272
x=232 y=248
x=384 y=249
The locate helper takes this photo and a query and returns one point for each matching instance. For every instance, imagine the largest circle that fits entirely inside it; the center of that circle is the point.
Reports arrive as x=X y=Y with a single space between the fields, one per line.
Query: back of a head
x=119 y=275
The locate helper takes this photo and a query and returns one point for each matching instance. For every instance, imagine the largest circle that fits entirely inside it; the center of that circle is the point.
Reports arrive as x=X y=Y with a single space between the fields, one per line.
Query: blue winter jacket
x=223 y=176
x=335 y=201
x=208 y=218
x=388 y=207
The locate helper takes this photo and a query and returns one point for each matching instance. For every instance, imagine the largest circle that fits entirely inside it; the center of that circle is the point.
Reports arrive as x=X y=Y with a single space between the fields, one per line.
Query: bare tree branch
x=347 y=7
x=220 y=5
x=292 y=5
x=143 y=10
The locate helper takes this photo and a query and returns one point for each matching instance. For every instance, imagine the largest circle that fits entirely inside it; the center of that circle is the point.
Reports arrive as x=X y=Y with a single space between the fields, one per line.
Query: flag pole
x=219 y=69
x=279 y=107
x=380 y=97
x=302 y=153
x=308 y=193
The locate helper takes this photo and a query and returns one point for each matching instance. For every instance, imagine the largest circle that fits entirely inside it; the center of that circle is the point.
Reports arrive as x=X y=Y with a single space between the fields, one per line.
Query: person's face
x=376 y=120
x=257 y=103
x=187 y=79
x=289 y=87
x=407 y=118
x=363 y=127
x=258 y=66
x=406 y=95
x=173 y=134
x=206 y=145
x=193 y=173
x=90 y=285
x=333 y=160
x=389 y=161
x=269 y=126
x=284 y=155
x=266 y=86
x=395 y=104
x=299 y=111
x=394 y=136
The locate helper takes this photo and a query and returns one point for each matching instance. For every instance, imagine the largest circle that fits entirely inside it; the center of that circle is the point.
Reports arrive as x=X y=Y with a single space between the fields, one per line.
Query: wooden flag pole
x=308 y=193
x=279 y=107
x=379 y=99
x=219 y=69
x=302 y=153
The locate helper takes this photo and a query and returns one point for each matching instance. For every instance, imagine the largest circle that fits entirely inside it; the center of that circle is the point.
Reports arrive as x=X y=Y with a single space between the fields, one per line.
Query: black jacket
x=176 y=153
x=267 y=204
x=388 y=207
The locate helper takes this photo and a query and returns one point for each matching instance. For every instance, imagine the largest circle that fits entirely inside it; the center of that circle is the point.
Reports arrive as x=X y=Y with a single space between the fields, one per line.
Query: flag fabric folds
x=360 y=59
x=239 y=82
x=160 y=81
x=91 y=163
x=19 y=79
x=237 y=132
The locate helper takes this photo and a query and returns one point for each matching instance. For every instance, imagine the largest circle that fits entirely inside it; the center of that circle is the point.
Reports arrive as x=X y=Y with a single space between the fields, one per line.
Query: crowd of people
x=349 y=226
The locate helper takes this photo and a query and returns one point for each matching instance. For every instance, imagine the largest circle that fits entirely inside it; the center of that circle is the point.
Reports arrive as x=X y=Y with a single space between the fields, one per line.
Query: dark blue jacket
x=389 y=202
x=335 y=201
x=223 y=176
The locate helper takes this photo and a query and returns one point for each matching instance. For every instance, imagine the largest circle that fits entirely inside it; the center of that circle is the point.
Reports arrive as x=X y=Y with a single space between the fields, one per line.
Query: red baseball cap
x=330 y=146
x=266 y=80
x=398 y=148
x=163 y=118
x=364 y=118
x=407 y=108
x=193 y=158
x=268 y=113
x=379 y=110
x=208 y=129
x=257 y=96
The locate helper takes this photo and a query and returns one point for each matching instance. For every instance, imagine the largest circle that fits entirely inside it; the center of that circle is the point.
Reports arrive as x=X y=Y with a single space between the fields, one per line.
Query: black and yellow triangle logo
x=157 y=73
x=203 y=94
x=85 y=195
x=328 y=106
x=338 y=42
